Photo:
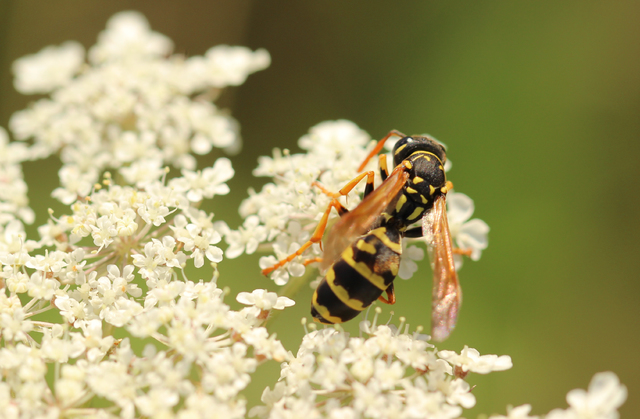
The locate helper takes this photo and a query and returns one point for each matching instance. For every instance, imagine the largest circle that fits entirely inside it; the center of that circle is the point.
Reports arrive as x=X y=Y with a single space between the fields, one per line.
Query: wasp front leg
x=378 y=147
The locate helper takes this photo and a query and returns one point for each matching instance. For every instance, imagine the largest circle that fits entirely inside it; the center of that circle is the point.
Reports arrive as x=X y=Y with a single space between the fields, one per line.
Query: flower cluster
x=601 y=401
x=282 y=216
x=14 y=203
x=115 y=262
x=131 y=106
x=101 y=310
x=388 y=373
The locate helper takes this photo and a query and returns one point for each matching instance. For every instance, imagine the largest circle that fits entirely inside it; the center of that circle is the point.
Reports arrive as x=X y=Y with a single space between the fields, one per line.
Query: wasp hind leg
x=316 y=237
x=417 y=232
x=391 y=295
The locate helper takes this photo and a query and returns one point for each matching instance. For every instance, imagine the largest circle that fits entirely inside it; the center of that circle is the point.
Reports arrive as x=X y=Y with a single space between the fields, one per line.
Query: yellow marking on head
x=417 y=179
x=363 y=270
x=401 y=201
x=323 y=311
x=379 y=233
x=416 y=213
x=400 y=149
x=366 y=247
x=431 y=189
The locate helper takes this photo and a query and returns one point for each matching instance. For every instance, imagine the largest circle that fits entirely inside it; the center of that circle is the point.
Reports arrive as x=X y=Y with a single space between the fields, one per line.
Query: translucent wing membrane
x=447 y=296
x=359 y=220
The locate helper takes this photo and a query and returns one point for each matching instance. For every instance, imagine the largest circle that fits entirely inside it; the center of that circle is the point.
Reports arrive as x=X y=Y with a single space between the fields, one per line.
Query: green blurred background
x=539 y=105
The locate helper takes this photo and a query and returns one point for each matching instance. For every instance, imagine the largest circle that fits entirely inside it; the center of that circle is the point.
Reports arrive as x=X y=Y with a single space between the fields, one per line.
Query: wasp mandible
x=362 y=250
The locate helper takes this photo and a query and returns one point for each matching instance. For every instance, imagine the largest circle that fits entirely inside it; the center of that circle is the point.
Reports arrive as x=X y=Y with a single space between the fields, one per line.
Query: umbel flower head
x=132 y=105
x=387 y=372
x=115 y=261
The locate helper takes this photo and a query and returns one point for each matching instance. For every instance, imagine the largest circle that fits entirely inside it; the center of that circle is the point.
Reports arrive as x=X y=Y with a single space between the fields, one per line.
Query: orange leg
x=465 y=252
x=378 y=147
x=312 y=260
x=391 y=296
x=447 y=187
x=316 y=237
x=349 y=186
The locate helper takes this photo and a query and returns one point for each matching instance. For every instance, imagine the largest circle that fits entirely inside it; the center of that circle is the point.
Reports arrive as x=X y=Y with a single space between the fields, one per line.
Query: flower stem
x=290 y=290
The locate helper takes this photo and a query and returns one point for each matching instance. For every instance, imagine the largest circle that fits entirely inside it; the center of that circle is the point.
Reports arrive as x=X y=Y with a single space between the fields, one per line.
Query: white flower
x=246 y=238
x=229 y=66
x=206 y=183
x=519 y=412
x=201 y=243
x=471 y=360
x=49 y=69
x=601 y=401
x=264 y=300
x=410 y=254
x=128 y=36
x=468 y=234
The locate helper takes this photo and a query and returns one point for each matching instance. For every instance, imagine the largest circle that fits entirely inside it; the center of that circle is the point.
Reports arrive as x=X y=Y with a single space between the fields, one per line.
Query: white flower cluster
x=132 y=106
x=601 y=401
x=200 y=333
x=14 y=203
x=116 y=261
x=389 y=374
x=284 y=214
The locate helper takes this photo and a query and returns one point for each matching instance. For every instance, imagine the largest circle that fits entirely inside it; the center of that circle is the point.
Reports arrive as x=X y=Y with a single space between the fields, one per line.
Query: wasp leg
x=447 y=187
x=315 y=238
x=413 y=233
x=322 y=225
x=417 y=232
x=458 y=251
x=378 y=147
x=312 y=260
x=349 y=186
x=382 y=164
x=391 y=296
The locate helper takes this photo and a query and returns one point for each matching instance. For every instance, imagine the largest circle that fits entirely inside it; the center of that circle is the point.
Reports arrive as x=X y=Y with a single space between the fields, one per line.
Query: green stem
x=290 y=290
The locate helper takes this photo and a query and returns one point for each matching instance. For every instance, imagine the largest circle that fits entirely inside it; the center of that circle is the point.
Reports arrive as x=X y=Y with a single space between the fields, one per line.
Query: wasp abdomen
x=364 y=270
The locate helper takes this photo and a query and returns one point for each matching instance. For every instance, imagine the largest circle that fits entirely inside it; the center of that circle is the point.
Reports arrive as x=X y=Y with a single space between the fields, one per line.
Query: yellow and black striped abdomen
x=365 y=269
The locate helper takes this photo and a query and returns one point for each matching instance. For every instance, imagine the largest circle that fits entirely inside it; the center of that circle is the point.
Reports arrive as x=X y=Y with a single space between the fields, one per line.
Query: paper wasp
x=363 y=248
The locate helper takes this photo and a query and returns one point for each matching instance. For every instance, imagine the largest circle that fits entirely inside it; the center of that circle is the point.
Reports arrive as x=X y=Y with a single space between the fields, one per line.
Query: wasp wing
x=359 y=220
x=447 y=295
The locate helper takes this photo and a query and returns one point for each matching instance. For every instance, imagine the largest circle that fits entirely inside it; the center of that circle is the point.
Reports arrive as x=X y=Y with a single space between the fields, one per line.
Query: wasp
x=363 y=248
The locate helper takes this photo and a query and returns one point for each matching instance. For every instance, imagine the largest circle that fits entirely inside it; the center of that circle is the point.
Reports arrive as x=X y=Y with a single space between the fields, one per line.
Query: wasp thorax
x=406 y=146
x=425 y=176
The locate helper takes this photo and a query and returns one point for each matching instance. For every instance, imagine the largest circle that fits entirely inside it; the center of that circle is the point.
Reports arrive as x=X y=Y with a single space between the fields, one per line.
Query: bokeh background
x=539 y=104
